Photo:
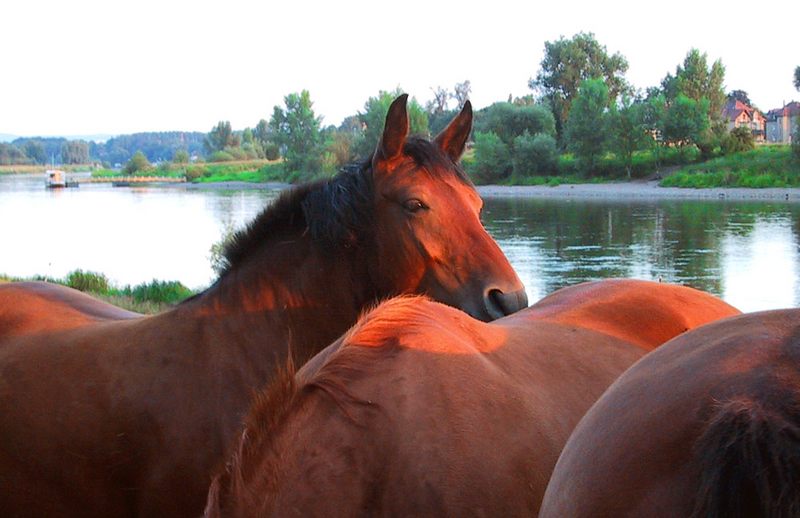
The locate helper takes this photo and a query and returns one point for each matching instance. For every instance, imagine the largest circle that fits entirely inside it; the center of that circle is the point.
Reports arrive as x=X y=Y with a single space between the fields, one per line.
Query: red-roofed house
x=738 y=114
x=782 y=122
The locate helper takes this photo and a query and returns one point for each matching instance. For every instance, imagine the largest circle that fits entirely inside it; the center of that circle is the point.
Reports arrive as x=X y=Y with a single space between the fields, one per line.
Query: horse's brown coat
x=420 y=410
x=104 y=414
x=706 y=425
x=646 y=313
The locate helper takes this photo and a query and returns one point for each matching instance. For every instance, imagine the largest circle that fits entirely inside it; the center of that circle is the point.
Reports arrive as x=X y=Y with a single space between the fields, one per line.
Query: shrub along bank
x=150 y=297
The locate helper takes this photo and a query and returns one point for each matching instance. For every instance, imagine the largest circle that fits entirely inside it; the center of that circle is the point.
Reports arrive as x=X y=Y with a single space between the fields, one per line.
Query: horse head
x=428 y=234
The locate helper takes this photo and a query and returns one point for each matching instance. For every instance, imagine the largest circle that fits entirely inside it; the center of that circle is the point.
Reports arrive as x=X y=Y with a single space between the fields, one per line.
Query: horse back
x=31 y=307
x=646 y=313
x=707 y=425
x=410 y=427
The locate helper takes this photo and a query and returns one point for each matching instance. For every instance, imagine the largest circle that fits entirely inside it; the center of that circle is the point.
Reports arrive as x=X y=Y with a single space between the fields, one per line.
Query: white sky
x=83 y=67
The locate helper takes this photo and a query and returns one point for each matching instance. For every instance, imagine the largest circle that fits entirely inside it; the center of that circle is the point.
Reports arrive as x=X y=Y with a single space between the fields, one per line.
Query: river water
x=744 y=252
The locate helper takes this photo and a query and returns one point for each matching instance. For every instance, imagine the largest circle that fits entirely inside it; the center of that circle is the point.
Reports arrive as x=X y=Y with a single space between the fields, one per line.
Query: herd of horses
x=425 y=384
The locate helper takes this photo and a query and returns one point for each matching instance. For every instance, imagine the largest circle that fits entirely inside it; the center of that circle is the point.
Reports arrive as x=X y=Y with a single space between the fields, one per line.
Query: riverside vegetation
x=150 y=297
x=582 y=122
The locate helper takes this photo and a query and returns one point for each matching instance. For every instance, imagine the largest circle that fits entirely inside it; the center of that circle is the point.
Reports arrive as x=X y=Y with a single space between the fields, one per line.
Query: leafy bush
x=765 y=166
x=738 y=140
x=181 y=156
x=220 y=156
x=272 y=151
x=509 y=121
x=87 y=281
x=168 y=292
x=534 y=155
x=137 y=164
x=492 y=159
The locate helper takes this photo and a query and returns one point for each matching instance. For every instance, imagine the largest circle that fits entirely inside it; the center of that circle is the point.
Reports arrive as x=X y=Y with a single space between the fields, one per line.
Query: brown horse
x=707 y=425
x=420 y=410
x=645 y=313
x=102 y=414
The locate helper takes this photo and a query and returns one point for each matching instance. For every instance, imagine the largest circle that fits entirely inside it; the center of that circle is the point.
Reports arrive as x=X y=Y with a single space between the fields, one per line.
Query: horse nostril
x=499 y=304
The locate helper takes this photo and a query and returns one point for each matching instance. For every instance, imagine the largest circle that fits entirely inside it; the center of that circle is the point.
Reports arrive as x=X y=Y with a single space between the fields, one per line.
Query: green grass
x=209 y=172
x=765 y=166
x=553 y=181
x=149 y=298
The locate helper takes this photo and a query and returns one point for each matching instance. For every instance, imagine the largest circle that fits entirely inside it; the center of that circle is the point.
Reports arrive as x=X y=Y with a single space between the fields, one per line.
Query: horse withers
x=706 y=425
x=105 y=413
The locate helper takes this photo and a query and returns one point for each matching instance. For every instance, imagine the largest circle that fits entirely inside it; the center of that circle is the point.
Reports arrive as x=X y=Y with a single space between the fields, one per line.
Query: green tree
x=492 y=159
x=34 y=150
x=137 y=164
x=695 y=80
x=685 y=121
x=569 y=62
x=654 y=111
x=75 y=152
x=11 y=154
x=374 y=116
x=297 y=130
x=585 y=131
x=509 y=121
x=629 y=130
x=220 y=137
x=181 y=156
x=534 y=155
x=796 y=139
x=741 y=96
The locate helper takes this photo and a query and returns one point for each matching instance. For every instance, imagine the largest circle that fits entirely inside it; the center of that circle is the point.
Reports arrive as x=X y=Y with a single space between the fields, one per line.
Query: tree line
x=156 y=146
x=581 y=117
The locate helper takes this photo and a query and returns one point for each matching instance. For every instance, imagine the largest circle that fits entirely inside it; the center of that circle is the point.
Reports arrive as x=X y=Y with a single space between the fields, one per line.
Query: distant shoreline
x=637 y=189
x=641 y=190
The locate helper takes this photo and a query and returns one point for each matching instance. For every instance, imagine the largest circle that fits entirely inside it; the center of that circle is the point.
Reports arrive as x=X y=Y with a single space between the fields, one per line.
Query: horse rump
x=749 y=458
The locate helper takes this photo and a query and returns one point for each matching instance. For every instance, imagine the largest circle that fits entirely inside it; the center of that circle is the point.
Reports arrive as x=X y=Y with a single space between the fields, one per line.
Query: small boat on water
x=57 y=179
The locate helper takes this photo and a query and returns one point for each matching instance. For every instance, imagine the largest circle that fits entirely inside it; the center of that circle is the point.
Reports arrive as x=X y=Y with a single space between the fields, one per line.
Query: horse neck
x=291 y=295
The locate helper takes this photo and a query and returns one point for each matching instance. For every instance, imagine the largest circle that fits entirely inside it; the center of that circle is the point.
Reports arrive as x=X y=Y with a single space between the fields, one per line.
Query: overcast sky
x=122 y=66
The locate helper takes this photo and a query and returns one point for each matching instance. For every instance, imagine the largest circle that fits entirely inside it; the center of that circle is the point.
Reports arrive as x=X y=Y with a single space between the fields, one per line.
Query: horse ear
x=453 y=138
x=395 y=131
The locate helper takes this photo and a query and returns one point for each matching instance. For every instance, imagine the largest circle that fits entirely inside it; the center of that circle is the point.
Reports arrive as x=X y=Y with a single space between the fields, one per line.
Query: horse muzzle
x=499 y=304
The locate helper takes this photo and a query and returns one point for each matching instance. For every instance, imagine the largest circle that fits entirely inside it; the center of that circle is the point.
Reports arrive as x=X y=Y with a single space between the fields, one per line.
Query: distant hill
x=5 y=137
x=157 y=146
x=112 y=150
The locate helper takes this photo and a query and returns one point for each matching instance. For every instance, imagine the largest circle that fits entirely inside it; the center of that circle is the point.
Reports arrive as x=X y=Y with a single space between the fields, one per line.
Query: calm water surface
x=745 y=252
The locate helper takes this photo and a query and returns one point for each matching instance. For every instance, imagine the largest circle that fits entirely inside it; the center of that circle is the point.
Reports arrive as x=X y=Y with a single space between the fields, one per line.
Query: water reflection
x=747 y=253
x=743 y=252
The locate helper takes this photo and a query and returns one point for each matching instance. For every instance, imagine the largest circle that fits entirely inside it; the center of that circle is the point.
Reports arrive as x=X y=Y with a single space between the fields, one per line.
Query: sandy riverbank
x=618 y=190
x=639 y=190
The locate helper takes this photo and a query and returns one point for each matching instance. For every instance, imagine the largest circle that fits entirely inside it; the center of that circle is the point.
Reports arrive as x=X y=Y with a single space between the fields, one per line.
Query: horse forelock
x=428 y=155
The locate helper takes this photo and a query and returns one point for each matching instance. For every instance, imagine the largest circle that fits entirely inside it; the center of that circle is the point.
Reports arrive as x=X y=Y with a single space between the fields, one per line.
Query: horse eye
x=414 y=205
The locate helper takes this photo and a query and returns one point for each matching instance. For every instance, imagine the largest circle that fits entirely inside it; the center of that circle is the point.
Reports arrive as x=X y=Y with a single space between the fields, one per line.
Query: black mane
x=335 y=212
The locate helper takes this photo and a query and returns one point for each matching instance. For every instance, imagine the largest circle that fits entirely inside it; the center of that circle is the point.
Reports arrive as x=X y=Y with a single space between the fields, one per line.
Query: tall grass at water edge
x=765 y=166
x=150 y=297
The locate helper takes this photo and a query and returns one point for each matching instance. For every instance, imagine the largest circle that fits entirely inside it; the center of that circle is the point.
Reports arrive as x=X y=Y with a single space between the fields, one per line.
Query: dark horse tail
x=749 y=458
